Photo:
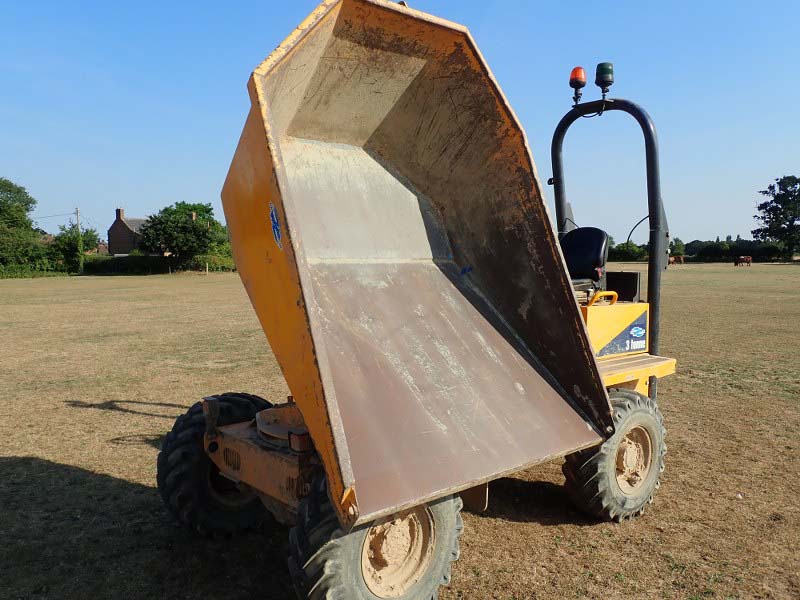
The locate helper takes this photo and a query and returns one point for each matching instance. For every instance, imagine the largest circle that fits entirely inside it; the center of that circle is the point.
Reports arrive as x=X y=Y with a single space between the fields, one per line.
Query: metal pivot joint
x=658 y=223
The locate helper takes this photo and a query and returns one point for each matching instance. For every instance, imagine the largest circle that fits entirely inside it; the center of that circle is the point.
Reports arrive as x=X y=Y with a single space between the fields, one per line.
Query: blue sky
x=106 y=104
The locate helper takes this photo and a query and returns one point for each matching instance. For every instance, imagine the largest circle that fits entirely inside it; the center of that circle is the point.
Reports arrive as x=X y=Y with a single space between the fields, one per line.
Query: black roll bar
x=658 y=224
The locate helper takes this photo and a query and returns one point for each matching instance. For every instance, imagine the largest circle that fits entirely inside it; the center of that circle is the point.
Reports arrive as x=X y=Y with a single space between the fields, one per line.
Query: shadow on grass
x=138 y=439
x=540 y=502
x=133 y=407
x=70 y=533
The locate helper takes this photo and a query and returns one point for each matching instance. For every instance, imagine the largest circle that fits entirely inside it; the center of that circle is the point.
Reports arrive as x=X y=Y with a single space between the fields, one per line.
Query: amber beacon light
x=577 y=80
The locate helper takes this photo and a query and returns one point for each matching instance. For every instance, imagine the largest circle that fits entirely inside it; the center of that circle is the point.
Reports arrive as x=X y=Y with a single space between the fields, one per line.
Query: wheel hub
x=397 y=552
x=634 y=459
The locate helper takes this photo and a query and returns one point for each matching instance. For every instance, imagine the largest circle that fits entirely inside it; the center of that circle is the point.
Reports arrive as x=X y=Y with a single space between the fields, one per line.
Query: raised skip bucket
x=389 y=227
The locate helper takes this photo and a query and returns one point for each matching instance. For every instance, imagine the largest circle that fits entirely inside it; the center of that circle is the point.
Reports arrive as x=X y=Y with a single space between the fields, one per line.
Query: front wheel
x=406 y=556
x=192 y=487
x=618 y=480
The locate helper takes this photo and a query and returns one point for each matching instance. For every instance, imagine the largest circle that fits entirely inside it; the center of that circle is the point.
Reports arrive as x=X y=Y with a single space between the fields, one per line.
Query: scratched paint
x=400 y=376
x=418 y=246
x=276 y=225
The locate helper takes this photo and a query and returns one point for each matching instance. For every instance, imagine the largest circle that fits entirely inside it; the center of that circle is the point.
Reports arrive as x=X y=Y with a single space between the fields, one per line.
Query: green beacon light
x=604 y=77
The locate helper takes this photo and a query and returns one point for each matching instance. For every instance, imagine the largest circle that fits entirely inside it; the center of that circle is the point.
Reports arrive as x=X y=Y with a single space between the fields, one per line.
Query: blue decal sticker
x=631 y=339
x=276 y=225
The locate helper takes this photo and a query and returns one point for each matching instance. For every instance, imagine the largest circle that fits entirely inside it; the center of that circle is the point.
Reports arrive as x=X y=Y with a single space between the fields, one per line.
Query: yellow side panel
x=607 y=322
x=266 y=262
x=610 y=327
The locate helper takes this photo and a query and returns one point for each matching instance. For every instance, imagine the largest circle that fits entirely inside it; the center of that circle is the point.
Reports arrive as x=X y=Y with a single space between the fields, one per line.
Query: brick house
x=123 y=235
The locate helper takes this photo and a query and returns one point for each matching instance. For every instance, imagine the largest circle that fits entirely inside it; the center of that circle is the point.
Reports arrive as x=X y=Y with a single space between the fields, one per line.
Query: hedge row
x=26 y=272
x=153 y=265
x=126 y=265
x=215 y=263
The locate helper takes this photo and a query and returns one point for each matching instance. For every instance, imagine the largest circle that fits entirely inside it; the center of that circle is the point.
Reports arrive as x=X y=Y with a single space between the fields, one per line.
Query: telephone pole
x=80 y=239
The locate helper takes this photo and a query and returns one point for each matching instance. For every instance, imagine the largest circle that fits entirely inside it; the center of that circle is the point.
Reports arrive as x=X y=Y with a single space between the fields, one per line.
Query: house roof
x=135 y=224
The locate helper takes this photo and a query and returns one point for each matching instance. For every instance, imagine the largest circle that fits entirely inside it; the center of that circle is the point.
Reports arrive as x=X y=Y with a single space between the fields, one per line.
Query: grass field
x=94 y=370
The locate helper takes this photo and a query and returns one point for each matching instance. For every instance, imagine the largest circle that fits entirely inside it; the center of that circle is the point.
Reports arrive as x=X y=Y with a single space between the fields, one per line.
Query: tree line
x=182 y=235
x=25 y=249
x=187 y=235
x=185 y=230
x=778 y=236
x=704 y=250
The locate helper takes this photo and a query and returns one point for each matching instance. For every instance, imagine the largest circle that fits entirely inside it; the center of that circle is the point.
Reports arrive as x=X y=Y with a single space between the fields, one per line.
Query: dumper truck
x=435 y=329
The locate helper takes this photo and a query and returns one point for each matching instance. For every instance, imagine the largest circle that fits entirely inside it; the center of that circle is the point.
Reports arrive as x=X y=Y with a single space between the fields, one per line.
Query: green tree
x=174 y=230
x=19 y=242
x=68 y=246
x=220 y=244
x=627 y=251
x=693 y=247
x=19 y=246
x=15 y=205
x=779 y=215
x=713 y=251
x=677 y=247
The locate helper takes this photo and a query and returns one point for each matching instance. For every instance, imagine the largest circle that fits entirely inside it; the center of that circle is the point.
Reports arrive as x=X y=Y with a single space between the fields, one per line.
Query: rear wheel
x=406 y=556
x=618 y=480
x=192 y=487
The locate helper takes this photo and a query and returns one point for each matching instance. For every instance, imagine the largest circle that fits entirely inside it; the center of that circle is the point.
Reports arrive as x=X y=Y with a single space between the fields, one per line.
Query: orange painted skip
x=265 y=229
x=270 y=276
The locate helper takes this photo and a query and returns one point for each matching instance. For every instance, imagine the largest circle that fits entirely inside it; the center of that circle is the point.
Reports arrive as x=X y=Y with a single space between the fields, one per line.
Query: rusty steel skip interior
x=389 y=227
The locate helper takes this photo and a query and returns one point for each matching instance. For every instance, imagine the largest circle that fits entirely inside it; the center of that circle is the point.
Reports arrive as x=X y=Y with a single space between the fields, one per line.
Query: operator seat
x=586 y=252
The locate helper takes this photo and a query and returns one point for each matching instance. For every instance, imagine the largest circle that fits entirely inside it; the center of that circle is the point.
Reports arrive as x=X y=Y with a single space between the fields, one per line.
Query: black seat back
x=586 y=251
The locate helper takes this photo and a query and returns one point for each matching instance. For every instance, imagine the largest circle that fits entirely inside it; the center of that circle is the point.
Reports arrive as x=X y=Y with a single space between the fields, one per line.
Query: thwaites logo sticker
x=276 y=225
x=631 y=339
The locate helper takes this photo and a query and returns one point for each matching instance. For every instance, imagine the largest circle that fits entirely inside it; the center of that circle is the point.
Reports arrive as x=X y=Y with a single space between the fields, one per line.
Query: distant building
x=124 y=234
x=102 y=248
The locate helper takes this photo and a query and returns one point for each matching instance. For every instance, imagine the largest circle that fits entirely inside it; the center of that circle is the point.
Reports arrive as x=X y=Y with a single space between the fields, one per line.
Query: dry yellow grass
x=94 y=370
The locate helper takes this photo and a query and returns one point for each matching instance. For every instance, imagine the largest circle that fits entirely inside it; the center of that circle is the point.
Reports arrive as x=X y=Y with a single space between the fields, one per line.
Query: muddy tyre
x=618 y=480
x=190 y=484
x=402 y=557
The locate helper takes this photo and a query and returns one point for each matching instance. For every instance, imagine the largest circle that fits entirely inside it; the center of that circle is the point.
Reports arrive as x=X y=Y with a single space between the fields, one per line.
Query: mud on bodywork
x=442 y=345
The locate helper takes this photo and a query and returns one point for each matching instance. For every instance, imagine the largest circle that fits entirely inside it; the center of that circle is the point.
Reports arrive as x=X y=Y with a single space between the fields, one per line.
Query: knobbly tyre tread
x=179 y=460
x=588 y=482
x=317 y=555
